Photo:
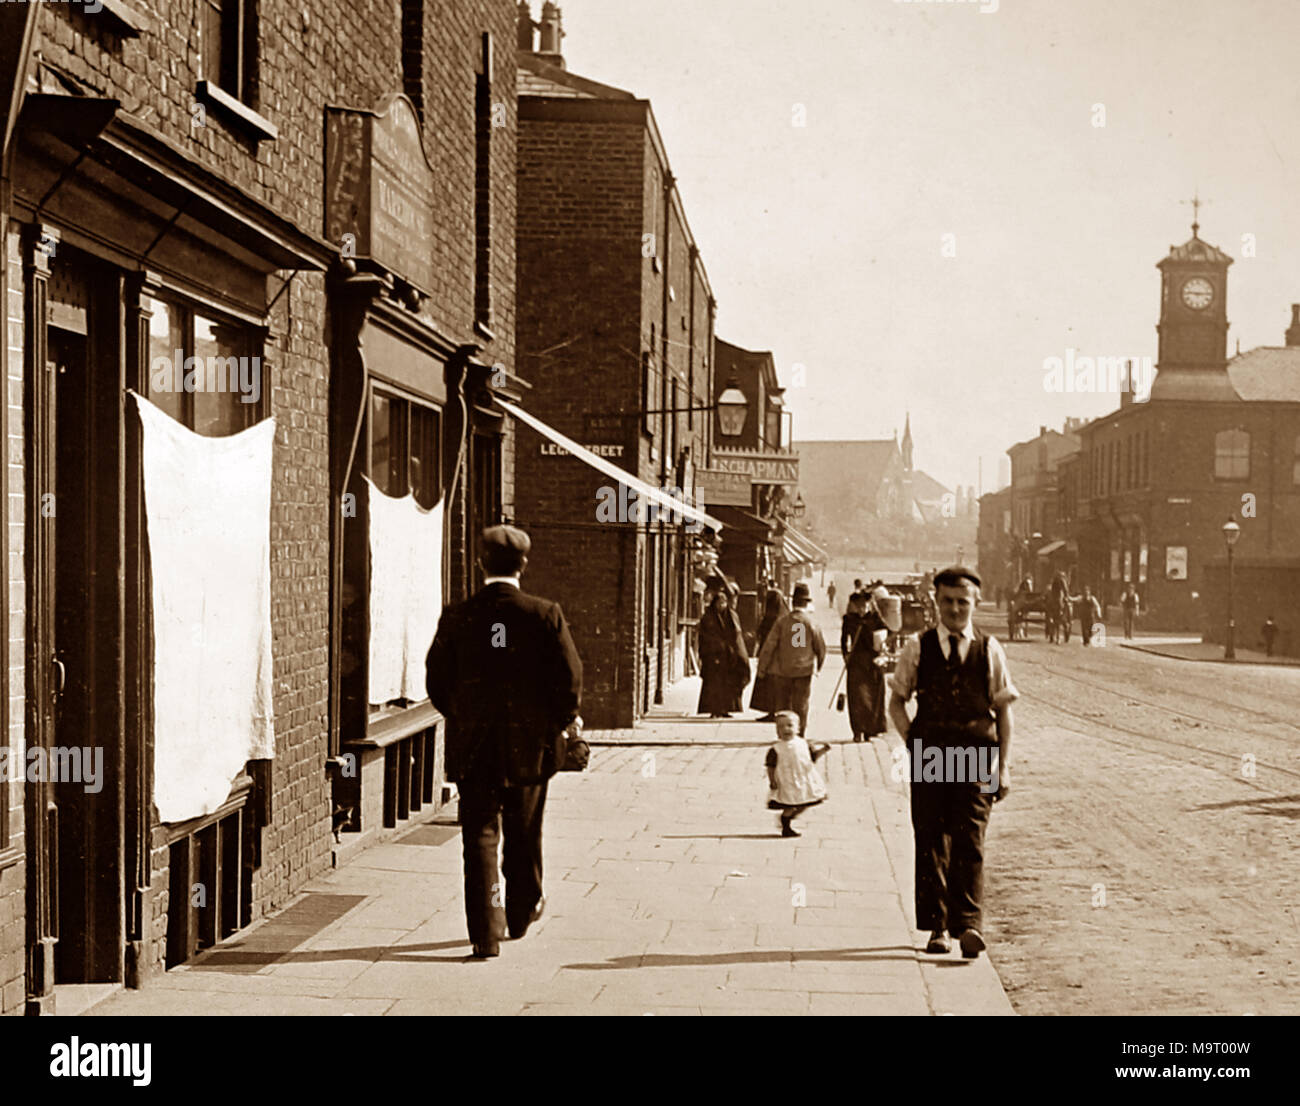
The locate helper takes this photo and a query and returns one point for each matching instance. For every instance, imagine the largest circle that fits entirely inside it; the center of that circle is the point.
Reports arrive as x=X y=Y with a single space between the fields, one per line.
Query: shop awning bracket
x=168 y=227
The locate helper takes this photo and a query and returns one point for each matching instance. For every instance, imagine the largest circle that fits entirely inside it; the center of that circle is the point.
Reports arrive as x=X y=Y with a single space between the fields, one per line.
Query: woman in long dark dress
x=765 y=696
x=865 y=678
x=724 y=660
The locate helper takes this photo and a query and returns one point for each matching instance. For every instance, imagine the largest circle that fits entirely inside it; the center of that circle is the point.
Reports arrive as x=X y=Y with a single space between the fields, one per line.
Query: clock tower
x=1193 y=325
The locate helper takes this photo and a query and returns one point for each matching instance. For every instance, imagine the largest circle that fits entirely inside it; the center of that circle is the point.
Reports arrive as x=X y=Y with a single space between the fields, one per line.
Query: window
x=1231 y=455
x=413 y=54
x=405 y=448
x=203 y=372
x=229 y=43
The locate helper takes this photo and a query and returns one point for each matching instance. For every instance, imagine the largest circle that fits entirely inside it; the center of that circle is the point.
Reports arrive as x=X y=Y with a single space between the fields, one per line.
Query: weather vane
x=1196 y=202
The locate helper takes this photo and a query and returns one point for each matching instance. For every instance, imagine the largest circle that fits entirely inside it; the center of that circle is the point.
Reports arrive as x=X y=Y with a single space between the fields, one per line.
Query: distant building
x=1155 y=481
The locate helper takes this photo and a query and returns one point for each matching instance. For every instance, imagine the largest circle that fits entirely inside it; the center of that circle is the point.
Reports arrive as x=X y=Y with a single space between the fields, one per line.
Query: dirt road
x=1148 y=861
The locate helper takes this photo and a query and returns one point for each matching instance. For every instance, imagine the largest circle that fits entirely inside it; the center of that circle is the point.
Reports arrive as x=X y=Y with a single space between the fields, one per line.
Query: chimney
x=525 y=38
x=552 y=33
x=1293 y=331
x=1042 y=431
x=1126 y=386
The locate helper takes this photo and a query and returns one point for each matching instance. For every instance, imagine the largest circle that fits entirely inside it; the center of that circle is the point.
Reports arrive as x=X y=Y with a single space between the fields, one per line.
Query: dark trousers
x=486 y=811
x=794 y=692
x=1128 y=623
x=948 y=824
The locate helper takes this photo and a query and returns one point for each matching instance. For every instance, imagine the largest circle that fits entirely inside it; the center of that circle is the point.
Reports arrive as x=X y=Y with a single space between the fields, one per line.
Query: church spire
x=907 y=443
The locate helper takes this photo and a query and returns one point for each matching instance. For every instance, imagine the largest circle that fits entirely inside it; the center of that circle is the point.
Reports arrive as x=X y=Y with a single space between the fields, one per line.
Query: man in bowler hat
x=963 y=715
x=505 y=674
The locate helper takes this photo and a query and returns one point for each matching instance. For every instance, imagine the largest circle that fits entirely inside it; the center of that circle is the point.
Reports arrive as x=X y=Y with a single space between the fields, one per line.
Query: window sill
x=131 y=21
x=258 y=125
x=396 y=724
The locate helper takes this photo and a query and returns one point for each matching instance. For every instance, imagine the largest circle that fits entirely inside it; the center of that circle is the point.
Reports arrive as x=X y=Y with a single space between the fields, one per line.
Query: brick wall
x=580 y=197
x=13 y=877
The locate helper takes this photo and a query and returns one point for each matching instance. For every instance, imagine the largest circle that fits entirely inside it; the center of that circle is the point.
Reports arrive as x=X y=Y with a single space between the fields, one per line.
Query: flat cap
x=955 y=575
x=506 y=537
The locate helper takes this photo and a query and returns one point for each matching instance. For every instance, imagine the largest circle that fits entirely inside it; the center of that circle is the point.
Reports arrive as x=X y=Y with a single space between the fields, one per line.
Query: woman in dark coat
x=765 y=696
x=724 y=660
x=866 y=679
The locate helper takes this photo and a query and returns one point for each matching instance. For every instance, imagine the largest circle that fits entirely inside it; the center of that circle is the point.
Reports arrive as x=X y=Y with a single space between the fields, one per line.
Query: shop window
x=206 y=373
x=1231 y=455
x=405 y=444
x=229 y=43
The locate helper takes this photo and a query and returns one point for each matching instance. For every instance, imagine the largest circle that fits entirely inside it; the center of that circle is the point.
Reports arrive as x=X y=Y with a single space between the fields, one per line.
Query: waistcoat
x=953 y=705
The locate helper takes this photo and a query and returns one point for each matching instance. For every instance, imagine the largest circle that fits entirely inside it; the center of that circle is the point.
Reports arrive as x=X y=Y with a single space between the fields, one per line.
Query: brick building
x=328 y=194
x=1155 y=481
x=614 y=334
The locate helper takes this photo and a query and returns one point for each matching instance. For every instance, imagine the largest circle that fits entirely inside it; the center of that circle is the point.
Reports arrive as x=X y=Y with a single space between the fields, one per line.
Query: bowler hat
x=955 y=575
x=801 y=594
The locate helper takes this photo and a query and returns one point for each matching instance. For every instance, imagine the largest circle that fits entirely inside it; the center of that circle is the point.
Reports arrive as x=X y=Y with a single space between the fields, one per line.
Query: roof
x=1196 y=249
x=535 y=77
x=925 y=487
x=1267 y=374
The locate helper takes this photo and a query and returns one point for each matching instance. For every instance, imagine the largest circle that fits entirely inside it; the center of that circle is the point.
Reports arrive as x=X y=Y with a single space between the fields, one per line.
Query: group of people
x=791 y=650
x=504 y=672
x=864 y=635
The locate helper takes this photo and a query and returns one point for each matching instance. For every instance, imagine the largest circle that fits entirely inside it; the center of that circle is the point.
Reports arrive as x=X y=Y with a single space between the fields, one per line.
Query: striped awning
x=677 y=507
x=802 y=550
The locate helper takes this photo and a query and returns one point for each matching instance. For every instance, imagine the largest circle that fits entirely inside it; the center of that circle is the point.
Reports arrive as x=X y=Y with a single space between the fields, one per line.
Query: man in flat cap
x=504 y=672
x=792 y=654
x=958 y=743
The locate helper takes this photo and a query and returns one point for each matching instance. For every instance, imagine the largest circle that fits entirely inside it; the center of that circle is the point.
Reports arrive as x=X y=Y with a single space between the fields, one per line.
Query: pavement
x=669 y=891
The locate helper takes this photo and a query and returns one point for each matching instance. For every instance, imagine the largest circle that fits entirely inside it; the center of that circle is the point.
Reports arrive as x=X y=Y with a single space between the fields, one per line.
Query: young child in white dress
x=792 y=772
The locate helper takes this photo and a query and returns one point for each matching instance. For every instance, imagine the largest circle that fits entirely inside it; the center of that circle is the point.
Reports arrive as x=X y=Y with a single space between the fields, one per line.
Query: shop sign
x=550 y=449
x=379 y=189
x=726 y=489
x=761 y=468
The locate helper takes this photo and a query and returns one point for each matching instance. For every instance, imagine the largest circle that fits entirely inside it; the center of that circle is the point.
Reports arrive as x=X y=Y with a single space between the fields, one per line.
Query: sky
x=826 y=243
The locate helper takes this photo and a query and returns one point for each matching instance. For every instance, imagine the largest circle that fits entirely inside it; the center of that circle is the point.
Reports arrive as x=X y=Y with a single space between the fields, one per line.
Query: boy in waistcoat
x=958 y=743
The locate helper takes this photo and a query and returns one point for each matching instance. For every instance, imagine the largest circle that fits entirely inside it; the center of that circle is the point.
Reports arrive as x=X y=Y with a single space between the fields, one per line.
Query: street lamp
x=732 y=408
x=1231 y=532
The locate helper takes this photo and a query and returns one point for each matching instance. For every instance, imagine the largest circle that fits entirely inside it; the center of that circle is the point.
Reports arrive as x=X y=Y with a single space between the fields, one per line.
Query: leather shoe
x=487 y=950
x=939 y=943
x=972 y=943
x=517 y=932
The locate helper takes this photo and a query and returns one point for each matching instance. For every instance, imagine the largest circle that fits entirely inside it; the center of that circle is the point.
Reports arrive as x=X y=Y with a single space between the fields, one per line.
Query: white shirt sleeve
x=1002 y=691
x=903 y=680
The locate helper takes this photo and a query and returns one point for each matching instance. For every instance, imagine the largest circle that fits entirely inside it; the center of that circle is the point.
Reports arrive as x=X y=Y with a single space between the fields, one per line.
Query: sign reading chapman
x=762 y=468
x=379 y=188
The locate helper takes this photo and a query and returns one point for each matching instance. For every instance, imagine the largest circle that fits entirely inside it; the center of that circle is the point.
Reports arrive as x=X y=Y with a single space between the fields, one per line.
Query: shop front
x=151 y=303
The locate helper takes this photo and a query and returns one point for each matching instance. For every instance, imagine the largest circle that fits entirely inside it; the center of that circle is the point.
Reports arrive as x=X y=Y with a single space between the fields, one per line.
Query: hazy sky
x=824 y=243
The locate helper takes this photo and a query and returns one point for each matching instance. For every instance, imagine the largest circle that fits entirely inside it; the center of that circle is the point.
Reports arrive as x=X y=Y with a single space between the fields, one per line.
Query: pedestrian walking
x=1089 y=615
x=504 y=672
x=766 y=695
x=963 y=717
x=724 y=660
x=1130 y=602
x=792 y=773
x=793 y=653
x=861 y=648
x=830 y=598
x=1269 y=633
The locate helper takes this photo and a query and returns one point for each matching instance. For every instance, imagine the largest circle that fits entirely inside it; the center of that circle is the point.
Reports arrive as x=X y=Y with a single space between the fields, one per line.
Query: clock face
x=1198 y=293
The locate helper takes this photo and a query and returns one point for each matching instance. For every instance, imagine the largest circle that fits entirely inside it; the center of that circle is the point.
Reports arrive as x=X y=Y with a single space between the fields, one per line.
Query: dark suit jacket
x=504 y=672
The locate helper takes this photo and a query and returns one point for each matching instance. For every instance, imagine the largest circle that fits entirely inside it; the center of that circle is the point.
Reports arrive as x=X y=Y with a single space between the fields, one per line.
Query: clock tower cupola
x=1193 y=325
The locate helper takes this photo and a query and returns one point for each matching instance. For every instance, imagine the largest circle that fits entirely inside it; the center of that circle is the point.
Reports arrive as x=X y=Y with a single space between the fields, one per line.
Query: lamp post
x=1231 y=532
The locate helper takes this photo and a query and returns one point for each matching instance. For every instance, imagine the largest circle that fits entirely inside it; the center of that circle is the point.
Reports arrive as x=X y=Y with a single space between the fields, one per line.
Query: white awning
x=646 y=491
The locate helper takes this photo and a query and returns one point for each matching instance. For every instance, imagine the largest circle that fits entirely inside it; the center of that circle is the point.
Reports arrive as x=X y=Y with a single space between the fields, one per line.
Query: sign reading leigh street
x=379 y=188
